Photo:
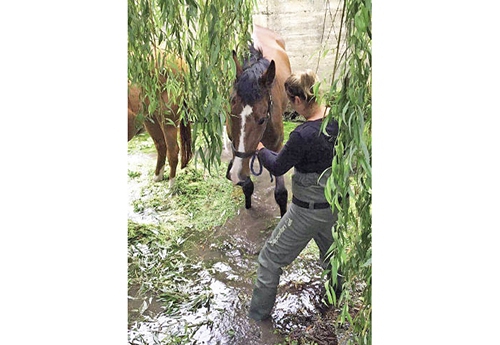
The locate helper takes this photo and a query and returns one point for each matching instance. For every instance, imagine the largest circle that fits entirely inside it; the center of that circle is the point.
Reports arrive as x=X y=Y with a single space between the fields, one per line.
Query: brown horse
x=258 y=100
x=161 y=125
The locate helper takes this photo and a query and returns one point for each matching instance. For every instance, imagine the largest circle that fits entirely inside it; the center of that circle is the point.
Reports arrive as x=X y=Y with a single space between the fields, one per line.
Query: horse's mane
x=247 y=85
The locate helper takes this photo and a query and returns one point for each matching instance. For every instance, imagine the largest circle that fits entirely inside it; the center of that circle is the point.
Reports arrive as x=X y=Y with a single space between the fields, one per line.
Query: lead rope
x=252 y=162
x=260 y=167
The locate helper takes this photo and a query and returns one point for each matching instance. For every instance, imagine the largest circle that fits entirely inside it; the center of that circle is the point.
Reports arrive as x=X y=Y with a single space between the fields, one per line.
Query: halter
x=253 y=154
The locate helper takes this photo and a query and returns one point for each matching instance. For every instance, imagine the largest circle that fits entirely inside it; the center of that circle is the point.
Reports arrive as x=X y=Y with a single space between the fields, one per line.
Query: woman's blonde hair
x=301 y=84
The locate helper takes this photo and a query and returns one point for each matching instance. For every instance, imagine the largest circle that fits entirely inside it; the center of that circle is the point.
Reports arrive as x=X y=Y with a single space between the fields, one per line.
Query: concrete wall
x=309 y=28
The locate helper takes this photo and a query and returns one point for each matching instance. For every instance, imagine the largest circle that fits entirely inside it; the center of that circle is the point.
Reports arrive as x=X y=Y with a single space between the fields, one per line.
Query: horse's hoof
x=158 y=178
x=171 y=183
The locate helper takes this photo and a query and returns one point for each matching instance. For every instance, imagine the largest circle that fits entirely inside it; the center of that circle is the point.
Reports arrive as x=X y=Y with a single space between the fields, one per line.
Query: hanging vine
x=349 y=188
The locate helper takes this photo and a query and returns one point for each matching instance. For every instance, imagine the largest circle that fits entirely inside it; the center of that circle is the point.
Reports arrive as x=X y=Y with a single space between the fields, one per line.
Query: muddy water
x=223 y=285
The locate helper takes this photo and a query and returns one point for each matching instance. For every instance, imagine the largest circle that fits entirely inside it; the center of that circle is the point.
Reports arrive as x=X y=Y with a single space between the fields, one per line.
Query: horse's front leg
x=281 y=194
x=247 y=187
x=172 y=152
x=156 y=133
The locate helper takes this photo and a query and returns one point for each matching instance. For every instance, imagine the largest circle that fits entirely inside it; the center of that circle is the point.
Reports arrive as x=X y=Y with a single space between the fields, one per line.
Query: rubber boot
x=262 y=303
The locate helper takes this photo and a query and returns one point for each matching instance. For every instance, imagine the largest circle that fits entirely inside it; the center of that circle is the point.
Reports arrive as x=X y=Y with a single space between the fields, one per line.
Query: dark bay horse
x=162 y=125
x=258 y=100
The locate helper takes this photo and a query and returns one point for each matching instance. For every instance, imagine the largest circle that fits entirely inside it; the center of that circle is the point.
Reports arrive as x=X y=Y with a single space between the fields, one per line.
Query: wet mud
x=223 y=284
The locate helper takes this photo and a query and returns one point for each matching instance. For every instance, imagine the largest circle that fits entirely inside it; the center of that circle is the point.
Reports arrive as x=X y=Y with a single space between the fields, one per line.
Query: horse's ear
x=239 y=70
x=267 y=77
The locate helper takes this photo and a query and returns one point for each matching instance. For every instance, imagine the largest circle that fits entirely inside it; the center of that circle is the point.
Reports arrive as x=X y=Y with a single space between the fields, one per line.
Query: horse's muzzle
x=235 y=172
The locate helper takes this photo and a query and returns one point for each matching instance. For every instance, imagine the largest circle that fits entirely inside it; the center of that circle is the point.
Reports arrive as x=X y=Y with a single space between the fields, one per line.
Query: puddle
x=222 y=287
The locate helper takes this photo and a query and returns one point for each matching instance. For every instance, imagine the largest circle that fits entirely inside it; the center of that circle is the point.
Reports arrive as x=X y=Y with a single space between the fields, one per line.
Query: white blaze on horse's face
x=238 y=162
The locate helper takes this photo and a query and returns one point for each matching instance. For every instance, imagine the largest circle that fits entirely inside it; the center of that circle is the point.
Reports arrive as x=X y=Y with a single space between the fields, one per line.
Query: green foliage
x=158 y=268
x=154 y=260
x=350 y=182
x=203 y=34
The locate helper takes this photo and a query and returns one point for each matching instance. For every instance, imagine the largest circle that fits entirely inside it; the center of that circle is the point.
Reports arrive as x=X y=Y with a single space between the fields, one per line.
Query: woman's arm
x=289 y=156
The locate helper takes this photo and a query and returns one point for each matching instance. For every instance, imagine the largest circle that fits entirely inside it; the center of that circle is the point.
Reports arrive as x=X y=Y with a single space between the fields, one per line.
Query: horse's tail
x=185 y=133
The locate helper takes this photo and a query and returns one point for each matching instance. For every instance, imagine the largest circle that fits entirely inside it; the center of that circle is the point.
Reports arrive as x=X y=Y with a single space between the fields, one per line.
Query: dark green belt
x=311 y=205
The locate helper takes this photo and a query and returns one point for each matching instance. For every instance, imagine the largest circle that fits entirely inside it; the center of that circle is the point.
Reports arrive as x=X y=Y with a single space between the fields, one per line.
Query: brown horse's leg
x=172 y=151
x=281 y=194
x=156 y=134
x=247 y=187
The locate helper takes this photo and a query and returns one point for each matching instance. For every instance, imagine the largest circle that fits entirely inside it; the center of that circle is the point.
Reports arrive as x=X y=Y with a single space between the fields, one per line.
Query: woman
x=310 y=152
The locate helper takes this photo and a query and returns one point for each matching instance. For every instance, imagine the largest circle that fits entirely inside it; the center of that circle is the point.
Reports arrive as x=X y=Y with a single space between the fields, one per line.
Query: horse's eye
x=261 y=121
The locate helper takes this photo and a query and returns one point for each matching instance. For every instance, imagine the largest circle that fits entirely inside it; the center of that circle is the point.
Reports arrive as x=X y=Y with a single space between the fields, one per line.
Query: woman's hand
x=260 y=146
